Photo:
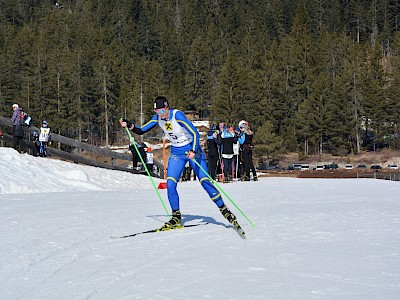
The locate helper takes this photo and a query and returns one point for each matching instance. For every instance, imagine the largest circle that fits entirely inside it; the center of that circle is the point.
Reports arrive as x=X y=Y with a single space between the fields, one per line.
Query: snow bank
x=27 y=174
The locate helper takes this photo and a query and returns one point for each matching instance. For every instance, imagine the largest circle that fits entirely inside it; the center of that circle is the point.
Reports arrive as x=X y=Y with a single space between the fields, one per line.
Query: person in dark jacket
x=35 y=140
x=226 y=139
x=18 y=123
x=212 y=153
x=135 y=155
x=246 y=142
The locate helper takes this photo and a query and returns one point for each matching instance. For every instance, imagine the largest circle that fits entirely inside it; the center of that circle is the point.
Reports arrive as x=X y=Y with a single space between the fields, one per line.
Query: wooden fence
x=104 y=158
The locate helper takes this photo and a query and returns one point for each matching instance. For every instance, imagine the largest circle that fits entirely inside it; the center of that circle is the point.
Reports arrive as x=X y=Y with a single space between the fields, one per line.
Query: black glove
x=129 y=124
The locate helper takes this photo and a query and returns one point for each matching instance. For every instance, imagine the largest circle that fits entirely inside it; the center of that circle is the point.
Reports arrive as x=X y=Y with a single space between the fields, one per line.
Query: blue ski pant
x=176 y=165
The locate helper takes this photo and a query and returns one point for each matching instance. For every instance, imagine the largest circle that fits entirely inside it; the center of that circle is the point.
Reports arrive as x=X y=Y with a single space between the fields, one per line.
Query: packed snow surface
x=313 y=239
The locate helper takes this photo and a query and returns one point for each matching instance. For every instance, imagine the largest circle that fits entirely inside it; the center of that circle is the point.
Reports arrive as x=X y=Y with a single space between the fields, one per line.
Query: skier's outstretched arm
x=146 y=127
x=140 y=129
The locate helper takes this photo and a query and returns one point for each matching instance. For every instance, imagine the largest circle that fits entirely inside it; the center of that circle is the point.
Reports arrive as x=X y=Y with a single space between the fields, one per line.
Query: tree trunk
x=105 y=109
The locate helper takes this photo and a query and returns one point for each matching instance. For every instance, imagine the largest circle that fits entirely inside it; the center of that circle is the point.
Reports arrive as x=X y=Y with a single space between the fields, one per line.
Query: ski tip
x=240 y=231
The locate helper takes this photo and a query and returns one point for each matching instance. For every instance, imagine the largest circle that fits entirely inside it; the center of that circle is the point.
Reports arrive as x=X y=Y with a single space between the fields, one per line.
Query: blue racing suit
x=183 y=137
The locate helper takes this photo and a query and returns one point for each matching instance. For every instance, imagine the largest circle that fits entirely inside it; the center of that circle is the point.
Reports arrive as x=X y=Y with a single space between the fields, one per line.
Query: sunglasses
x=160 y=111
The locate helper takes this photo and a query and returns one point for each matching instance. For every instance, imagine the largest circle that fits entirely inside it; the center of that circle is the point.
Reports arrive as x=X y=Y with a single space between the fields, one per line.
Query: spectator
x=149 y=159
x=135 y=155
x=246 y=142
x=226 y=139
x=18 y=129
x=35 y=140
x=237 y=165
x=212 y=151
x=44 y=138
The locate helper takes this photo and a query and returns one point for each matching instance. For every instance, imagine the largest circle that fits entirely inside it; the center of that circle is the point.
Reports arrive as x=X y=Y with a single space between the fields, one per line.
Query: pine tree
x=297 y=65
x=228 y=105
x=374 y=101
x=9 y=92
x=393 y=92
x=267 y=142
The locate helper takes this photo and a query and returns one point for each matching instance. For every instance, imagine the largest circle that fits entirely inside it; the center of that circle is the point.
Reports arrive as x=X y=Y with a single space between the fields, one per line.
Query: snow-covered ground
x=313 y=239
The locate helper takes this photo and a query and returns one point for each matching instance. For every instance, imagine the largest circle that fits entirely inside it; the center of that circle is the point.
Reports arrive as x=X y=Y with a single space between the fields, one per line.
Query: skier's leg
x=174 y=172
x=212 y=191
x=176 y=166
x=205 y=182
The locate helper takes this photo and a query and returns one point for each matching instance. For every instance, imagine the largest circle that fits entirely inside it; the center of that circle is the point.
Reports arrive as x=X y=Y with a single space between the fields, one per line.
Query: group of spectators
x=230 y=152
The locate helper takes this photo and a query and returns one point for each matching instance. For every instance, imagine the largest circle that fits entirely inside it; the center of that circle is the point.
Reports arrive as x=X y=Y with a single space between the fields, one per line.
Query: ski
x=239 y=230
x=158 y=230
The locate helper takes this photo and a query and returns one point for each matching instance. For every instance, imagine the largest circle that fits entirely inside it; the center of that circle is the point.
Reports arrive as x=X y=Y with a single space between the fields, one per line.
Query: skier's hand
x=123 y=122
x=190 y=154
x=126 y=123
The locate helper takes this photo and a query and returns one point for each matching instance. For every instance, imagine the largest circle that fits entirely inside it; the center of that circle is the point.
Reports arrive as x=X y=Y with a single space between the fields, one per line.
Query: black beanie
x=161 y=102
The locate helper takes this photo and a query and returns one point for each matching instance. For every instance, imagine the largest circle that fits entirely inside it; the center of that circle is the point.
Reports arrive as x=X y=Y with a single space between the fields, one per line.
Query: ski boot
x=255 y=178
x=175 y=221
x=232 y=219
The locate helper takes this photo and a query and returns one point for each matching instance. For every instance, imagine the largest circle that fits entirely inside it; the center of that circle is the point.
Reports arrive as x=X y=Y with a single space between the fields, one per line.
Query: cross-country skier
x=185 y=146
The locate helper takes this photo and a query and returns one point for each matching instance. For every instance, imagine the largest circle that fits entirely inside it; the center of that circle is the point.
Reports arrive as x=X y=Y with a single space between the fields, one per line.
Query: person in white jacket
x=44 y=138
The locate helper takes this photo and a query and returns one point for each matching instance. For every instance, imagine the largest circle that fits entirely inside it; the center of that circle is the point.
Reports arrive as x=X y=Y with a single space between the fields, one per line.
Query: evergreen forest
x=310 y=76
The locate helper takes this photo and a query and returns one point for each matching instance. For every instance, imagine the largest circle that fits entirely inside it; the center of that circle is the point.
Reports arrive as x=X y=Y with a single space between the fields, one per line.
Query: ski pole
x=132 y=139
x=226 y=195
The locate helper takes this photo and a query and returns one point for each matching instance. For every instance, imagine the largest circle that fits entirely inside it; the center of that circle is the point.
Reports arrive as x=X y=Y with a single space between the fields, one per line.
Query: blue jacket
x=183 y=122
